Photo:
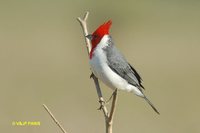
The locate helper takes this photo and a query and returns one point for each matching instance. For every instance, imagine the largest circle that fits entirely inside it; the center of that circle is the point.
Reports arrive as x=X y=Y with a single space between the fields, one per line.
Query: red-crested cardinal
x=110 y=66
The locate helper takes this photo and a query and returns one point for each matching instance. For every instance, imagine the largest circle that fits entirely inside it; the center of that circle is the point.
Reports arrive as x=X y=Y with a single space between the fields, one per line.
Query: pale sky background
x=44 y=60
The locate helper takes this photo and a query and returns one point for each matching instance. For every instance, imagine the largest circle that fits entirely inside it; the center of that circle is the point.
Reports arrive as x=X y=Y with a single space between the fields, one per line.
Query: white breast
x=102 y=71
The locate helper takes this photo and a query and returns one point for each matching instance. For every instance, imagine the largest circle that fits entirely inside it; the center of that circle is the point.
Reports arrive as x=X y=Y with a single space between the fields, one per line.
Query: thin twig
x=101 y=100
x=54 y=119
x=113 y=107
x=112 y=111
x=108 y=116
x=83 y=23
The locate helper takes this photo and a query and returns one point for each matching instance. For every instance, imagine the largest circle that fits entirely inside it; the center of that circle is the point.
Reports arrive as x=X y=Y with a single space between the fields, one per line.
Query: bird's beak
x=89 y=36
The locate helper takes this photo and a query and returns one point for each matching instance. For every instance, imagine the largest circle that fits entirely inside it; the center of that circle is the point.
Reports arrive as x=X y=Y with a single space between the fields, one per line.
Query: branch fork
x=108 y=115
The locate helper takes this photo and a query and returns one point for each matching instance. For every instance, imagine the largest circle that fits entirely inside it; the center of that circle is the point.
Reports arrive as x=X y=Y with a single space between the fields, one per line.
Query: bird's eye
x=95 y=37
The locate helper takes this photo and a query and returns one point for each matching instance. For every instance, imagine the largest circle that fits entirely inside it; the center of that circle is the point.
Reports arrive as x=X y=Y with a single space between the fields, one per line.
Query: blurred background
x=44 y=60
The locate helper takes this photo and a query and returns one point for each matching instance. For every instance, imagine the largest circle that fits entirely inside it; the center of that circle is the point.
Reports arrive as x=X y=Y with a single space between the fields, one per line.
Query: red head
x=99 y=33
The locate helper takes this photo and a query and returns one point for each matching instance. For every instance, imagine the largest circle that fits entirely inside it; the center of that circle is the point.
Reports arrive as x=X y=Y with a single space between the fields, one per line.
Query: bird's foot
x=102 y=103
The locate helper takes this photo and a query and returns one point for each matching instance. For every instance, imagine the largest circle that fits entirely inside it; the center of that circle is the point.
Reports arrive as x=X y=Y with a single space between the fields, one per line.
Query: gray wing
x=119 y=65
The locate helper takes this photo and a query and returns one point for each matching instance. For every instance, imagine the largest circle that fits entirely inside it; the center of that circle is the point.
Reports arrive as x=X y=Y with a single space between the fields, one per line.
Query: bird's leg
x=107 y=102
x=102 y=102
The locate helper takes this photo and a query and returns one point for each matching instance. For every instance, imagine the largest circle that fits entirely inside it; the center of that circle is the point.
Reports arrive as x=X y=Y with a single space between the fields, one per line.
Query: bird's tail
x=153 y=107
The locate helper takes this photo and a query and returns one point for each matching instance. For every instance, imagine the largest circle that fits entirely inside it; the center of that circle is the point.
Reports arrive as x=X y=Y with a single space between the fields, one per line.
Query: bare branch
x=108 y=118
x=112 y=111
x=113 y=107
x=86 y=16
x=83 y=23
x=54 y=119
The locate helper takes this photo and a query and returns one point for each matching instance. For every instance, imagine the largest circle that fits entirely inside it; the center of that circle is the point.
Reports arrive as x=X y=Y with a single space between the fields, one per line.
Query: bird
x=109 y=65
